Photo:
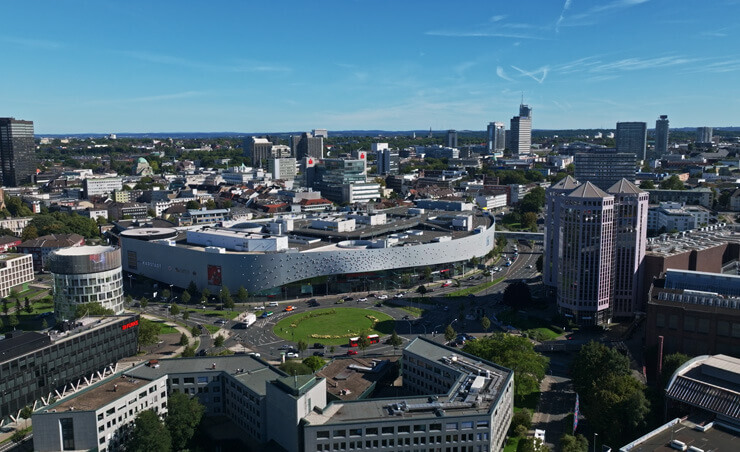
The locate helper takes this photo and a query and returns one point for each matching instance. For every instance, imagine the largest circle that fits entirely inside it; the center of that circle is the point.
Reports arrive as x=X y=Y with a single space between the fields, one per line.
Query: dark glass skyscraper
x=632 y=138
x=17 y=152
x=661 y=136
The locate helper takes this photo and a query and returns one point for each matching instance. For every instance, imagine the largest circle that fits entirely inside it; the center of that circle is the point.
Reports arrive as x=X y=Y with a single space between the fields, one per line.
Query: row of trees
x=174 y=433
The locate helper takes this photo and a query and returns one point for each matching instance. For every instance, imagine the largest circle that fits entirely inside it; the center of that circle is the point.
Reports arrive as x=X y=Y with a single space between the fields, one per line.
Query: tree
x=529 y=220
x=44 y=324
x=195 y=331
x=93 y=308
x=647 y=185
x=242 y=295
x=485 y=322
x=672 y=183
x=144 y=302
x=184 y=339
x=128 y=300
x=302 y=345
x=517 y=295
x=533 y=201
x=426 y=272
x=532 y=445
x=13 y=294
x=2 y=324
x=26 y=414
x=192 y=288
x=183 y=417
x=394 y=340
x=570 y=443
x=174 y=310
x=188 y=352
x=515 y=352
x=192 y=205
x=185 y=297
x=293 y=367
x=6 y=308
x=521 y=418
x=450 y=333
x=314 y=362
x=29 y=233
x=540 y=263
x=148 y=332
x=27 y=305
x=166 y=294
x=13 y=321
x=219 y=341
x=593 y=360
x=149 y=433
x=422 y=290
x=363 y=343
x=671 y=363
x=18 y=436
x=185 y=315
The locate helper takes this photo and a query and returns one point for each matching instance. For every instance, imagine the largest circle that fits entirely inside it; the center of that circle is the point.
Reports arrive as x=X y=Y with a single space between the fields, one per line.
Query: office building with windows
x=632 y=138
x=15 y=270
x=520 y=133
x=594 y=249
x=452 y=138
x=86 y=274
x=307 y=145
x=282 y=168
x=387 y=161
x=37 y=367
x=496 y=137
x=704 y=135
x=604 y=167
x=661 y=137
x=17 y=152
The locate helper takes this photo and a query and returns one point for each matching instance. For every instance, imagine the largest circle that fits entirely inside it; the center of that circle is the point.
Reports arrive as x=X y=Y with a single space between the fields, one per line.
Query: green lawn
x=165 y=328
x=211 y=328
x=410 y=309
x=512 y=444
x=333 y=326
x=475 y=289
x=536 y=327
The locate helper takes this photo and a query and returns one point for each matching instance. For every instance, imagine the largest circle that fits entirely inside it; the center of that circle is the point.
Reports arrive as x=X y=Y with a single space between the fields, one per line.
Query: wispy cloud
x=35 y=43
x=717 y=67
x=562 y=15
x=588 y=17
x=480 y=34
x=534 y=74
x=153 y=98
x=634 y=64
x=496 y=18
x=501 y=73
x=235 y=66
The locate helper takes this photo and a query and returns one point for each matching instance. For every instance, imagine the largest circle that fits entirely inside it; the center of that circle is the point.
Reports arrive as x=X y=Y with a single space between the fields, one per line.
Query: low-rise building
x=204 y=216
x=101 y=186
x=677 y=217
x=15 y=270
x=8 y=242
x=40 y=247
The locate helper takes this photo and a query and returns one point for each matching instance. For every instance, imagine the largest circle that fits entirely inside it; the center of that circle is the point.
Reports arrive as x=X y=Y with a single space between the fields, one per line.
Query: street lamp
x=595 y=435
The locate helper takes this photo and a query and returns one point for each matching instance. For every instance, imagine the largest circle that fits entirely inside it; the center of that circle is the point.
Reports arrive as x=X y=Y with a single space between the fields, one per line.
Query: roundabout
x=333 y=326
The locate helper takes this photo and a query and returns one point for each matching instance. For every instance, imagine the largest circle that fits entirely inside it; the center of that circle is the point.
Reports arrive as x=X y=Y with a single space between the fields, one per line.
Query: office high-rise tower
x=604 y=167
x=520 y=133
x=704 y=135
x=661 y=136
x=307 y=145
x=632 y=138
x=452 y=138
x=17 y=152
x=496 y=136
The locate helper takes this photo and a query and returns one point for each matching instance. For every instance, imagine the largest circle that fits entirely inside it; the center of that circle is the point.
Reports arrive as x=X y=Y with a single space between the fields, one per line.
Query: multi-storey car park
x=451 y=401
x=346 y=252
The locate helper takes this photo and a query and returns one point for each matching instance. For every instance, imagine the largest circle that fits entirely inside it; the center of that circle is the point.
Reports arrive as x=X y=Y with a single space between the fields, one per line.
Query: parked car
x=363 y=299
x=285 y=347
x=318 y=354
x=291 y=355
x=255 y=354
x=382 y=297
x=348 y=298
x=220 y=322
x=318 y=345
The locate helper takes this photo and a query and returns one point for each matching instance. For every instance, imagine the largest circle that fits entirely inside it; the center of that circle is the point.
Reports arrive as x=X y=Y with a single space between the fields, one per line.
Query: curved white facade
x=179 y=265
x=86 y=274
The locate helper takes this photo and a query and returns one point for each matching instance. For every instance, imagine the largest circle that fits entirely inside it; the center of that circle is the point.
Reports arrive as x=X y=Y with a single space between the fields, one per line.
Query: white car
x=363 y=299
x=398 y=295
x=255 y=354
x=382 y=297
x=291 y=355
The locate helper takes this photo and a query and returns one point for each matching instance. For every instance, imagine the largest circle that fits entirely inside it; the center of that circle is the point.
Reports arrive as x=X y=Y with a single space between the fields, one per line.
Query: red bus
x=354 y=341
x=373 y=338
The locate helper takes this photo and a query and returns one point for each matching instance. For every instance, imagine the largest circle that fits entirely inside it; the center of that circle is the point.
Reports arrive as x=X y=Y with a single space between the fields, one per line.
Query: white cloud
x=500 y=72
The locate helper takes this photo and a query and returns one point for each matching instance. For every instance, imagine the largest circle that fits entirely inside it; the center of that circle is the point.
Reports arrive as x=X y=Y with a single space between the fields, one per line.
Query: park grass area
x=410 y=309
x=165 y=328
x=512 y=444
x=475 y=289
x=333 y=326
x=211 y=328
x=535 y=327
x=215 y=313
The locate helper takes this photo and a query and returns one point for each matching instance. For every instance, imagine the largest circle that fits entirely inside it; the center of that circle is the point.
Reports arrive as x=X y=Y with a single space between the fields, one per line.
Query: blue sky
x=248 y=66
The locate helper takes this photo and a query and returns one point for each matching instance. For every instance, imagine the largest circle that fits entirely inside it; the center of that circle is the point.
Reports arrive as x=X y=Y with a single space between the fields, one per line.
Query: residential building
x=452 y=138
x=677 y=217
x=386 y=160
x=661 y=136
x=101 y=186
x=41 y=247
x=604 y=167
x=704 y=135
x=15 y=224
x=86 y=274
x=204 y=216
x=15 y=270
x=100 y=418
x=282 y=168
x=496 y=137
x=17 y=152
x=8 y=242
x=520 y=133
x=39 y=367
x=632 y=138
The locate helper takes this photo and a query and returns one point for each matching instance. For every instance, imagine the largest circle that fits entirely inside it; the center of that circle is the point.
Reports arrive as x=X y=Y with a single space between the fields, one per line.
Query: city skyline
x=165 y=67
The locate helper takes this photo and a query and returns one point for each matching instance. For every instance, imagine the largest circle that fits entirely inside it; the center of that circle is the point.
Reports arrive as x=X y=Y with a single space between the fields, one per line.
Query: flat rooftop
x=460 y=400
x=251 y=371
x=100 y=395
x=716 y=438
x=696 y=239
x=346 y=379
x=4 y=257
